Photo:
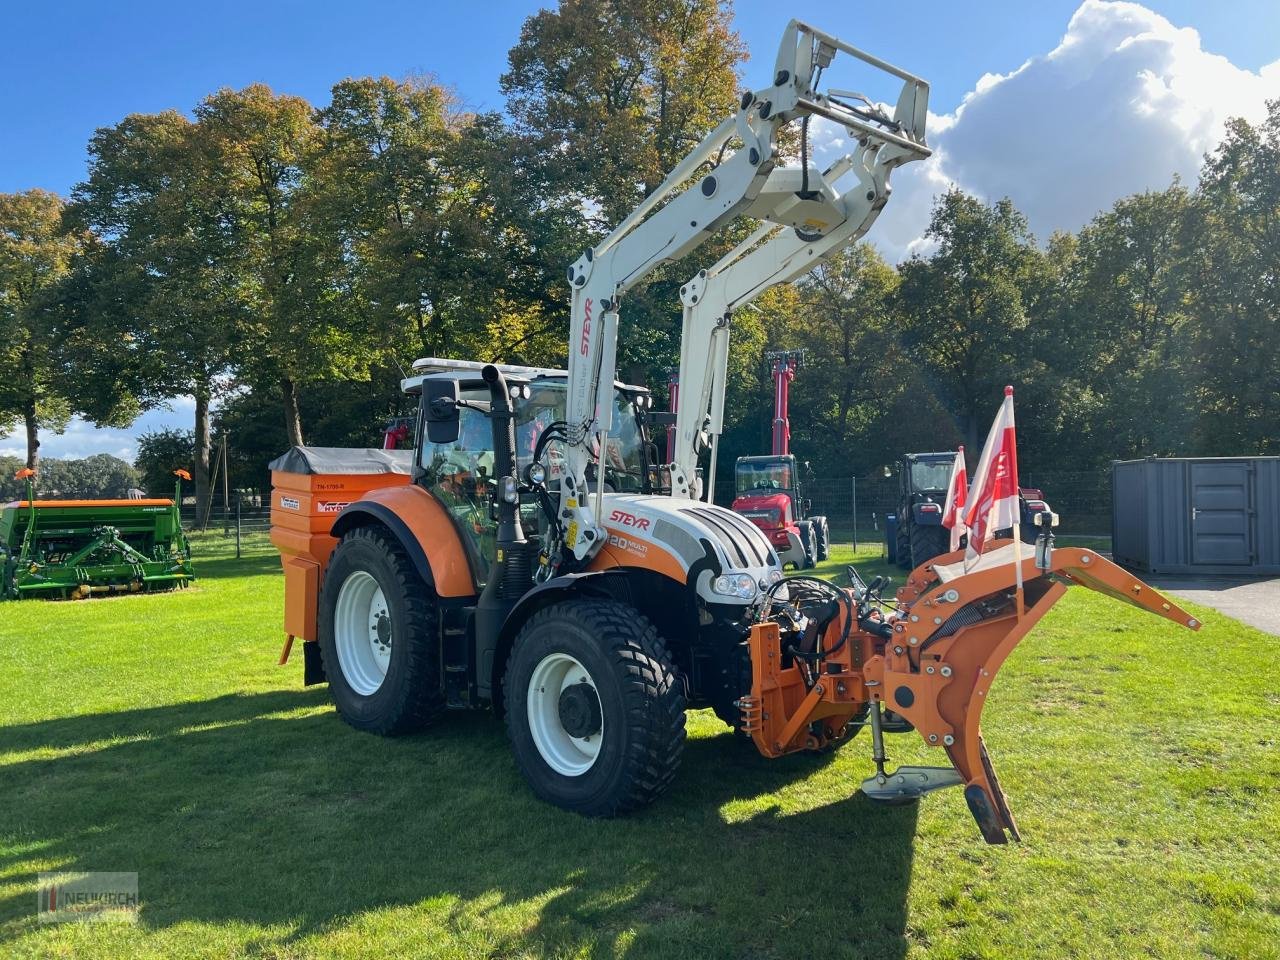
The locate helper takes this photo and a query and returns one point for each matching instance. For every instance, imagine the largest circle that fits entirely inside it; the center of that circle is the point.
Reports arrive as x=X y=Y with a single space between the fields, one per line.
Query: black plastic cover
x=343 y=460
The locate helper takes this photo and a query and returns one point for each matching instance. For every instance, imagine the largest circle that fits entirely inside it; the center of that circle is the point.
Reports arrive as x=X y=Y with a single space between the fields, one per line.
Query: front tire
x=821 y=538
x=807 y=543
x=902 y=543
x=594 y=707
x=378 y=634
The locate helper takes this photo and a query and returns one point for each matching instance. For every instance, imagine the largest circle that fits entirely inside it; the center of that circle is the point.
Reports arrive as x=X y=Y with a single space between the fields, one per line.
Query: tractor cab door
x=460 y=476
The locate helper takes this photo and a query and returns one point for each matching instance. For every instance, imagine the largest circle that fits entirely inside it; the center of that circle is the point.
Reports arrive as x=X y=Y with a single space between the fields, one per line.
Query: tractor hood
x=687 y=540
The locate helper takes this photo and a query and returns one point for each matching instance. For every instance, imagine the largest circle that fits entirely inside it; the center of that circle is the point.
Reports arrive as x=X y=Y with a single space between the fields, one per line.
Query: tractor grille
x=742 y=540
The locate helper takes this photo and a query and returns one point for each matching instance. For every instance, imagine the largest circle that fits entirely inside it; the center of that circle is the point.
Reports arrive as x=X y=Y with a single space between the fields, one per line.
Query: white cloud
x=1122 y=104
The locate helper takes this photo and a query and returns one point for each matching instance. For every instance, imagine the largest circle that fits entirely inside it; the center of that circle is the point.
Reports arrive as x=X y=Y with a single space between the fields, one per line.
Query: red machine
x=768 y=490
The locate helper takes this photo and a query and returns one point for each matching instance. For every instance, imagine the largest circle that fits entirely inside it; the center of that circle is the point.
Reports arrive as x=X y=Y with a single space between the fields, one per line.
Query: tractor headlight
x=773 y=577
x=536 y=473
x=510 y=493
x=740 y=585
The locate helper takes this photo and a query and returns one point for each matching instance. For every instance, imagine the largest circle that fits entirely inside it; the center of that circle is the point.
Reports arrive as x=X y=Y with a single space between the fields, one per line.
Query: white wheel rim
x=565 y=754
x=362 y=633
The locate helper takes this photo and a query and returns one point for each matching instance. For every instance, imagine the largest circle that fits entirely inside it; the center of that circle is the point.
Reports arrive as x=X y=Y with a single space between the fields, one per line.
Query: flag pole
x=1017 y=532
x=1017 y=564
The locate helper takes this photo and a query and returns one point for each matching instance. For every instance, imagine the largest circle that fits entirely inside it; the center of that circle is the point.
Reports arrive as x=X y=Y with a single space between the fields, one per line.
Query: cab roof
x=444 y=367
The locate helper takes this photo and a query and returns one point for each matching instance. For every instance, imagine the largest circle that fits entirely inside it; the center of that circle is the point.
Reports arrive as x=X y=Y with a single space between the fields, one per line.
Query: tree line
x=288 y=261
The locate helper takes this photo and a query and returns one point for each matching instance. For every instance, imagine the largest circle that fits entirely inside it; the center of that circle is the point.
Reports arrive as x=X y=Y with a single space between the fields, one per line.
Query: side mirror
x=440 y=410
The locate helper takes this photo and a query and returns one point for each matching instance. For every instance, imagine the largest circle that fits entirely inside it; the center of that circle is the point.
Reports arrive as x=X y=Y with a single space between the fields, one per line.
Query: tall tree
x=1123 y=335
x=167 y=276
x=963 y=308
x=454 y=247
x=853 y=368
x=1235 y=290
x=38 y=386
x=609 y=95
x=259 y=146
x=615 y=92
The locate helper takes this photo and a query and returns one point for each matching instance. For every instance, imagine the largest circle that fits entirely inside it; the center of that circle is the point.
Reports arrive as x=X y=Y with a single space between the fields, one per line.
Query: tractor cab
x=768 y=492
x=923 y=477
x=460 y=471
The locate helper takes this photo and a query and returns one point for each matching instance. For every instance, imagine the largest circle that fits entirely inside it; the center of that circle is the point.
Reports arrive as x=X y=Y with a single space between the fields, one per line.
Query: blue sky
x=1011 y=97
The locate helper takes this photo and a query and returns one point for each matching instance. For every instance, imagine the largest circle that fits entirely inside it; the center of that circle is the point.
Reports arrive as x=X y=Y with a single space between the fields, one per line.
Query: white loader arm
x=745 y=180
x=770 y=256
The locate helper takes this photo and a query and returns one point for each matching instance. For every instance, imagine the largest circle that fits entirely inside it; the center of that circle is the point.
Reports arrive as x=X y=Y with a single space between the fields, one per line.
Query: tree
x=608 y=95
x=259 y=147
x=453 y=248
x=963 y=309
x=96 y=477
x=160 y=452
x=165 y=283
x=1123 y=334
x=613 y=93
x=855 y=368
x=37 y=382
x=1234 y=290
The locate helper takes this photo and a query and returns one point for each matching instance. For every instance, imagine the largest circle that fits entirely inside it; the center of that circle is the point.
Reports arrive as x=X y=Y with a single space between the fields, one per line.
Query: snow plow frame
x=931 y=662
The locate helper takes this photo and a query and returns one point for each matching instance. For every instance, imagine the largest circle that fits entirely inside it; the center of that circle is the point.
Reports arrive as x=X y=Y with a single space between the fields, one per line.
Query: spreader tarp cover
x=343 y=460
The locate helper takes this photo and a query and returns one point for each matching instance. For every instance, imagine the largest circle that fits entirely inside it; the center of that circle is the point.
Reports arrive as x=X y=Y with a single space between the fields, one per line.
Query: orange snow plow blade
x=930 y=662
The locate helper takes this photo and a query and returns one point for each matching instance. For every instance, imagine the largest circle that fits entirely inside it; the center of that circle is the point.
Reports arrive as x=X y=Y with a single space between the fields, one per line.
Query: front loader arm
x=746 y=179
x=770 y=256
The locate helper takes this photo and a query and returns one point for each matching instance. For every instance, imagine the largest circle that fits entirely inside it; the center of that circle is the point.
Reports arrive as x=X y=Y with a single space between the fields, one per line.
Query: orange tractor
x=532 y=555
x=411 y=579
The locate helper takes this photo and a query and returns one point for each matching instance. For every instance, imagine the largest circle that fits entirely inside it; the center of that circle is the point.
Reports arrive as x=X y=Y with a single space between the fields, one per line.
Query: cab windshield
x=624 y=453
x=753 y=477
x=930 y=475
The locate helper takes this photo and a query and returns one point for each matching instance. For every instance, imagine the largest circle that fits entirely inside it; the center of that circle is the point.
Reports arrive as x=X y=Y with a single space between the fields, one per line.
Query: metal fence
x=249 y=515
x=855 y=507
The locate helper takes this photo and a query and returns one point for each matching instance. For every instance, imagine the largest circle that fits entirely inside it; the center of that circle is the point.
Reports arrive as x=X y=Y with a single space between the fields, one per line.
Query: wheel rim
x=557 y=697
x=362 y=633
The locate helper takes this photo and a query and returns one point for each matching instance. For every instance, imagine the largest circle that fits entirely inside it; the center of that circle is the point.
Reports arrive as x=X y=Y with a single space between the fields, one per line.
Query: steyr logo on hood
x=629 y=520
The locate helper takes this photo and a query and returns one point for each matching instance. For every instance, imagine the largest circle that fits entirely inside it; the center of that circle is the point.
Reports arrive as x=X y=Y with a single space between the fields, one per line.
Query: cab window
x=460 y=475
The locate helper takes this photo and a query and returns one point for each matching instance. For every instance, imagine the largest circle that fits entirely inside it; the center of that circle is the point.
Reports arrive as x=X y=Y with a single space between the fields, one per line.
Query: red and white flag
x=993 y=498
x=957 y=493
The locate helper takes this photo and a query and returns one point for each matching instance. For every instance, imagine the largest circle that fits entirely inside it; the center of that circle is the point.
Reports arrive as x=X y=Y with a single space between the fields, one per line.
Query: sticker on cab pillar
x=289 y=503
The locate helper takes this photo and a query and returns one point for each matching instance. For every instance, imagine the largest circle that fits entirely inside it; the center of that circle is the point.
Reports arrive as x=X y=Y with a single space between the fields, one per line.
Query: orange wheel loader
x=532 y=556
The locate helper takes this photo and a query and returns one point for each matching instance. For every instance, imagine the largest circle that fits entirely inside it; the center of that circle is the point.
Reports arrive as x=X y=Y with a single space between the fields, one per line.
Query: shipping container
x=1218 y=515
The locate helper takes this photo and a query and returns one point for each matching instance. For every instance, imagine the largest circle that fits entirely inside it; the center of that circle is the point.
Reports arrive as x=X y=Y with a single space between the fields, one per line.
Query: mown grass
x=156 y=734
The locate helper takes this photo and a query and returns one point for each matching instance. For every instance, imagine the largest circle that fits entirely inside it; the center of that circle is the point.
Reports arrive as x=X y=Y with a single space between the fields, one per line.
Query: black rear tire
x=411 y=694
x=927 y=543
x=640 y=698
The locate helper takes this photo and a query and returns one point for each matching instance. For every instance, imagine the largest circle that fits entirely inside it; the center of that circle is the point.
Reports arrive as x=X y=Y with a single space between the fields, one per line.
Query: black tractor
x=917 y=535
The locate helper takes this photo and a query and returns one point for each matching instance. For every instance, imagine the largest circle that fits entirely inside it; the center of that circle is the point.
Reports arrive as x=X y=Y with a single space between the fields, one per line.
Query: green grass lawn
x=156 y=734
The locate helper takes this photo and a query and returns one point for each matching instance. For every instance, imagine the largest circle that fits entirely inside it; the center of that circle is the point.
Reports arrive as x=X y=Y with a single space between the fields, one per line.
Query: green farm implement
x=70 y=549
